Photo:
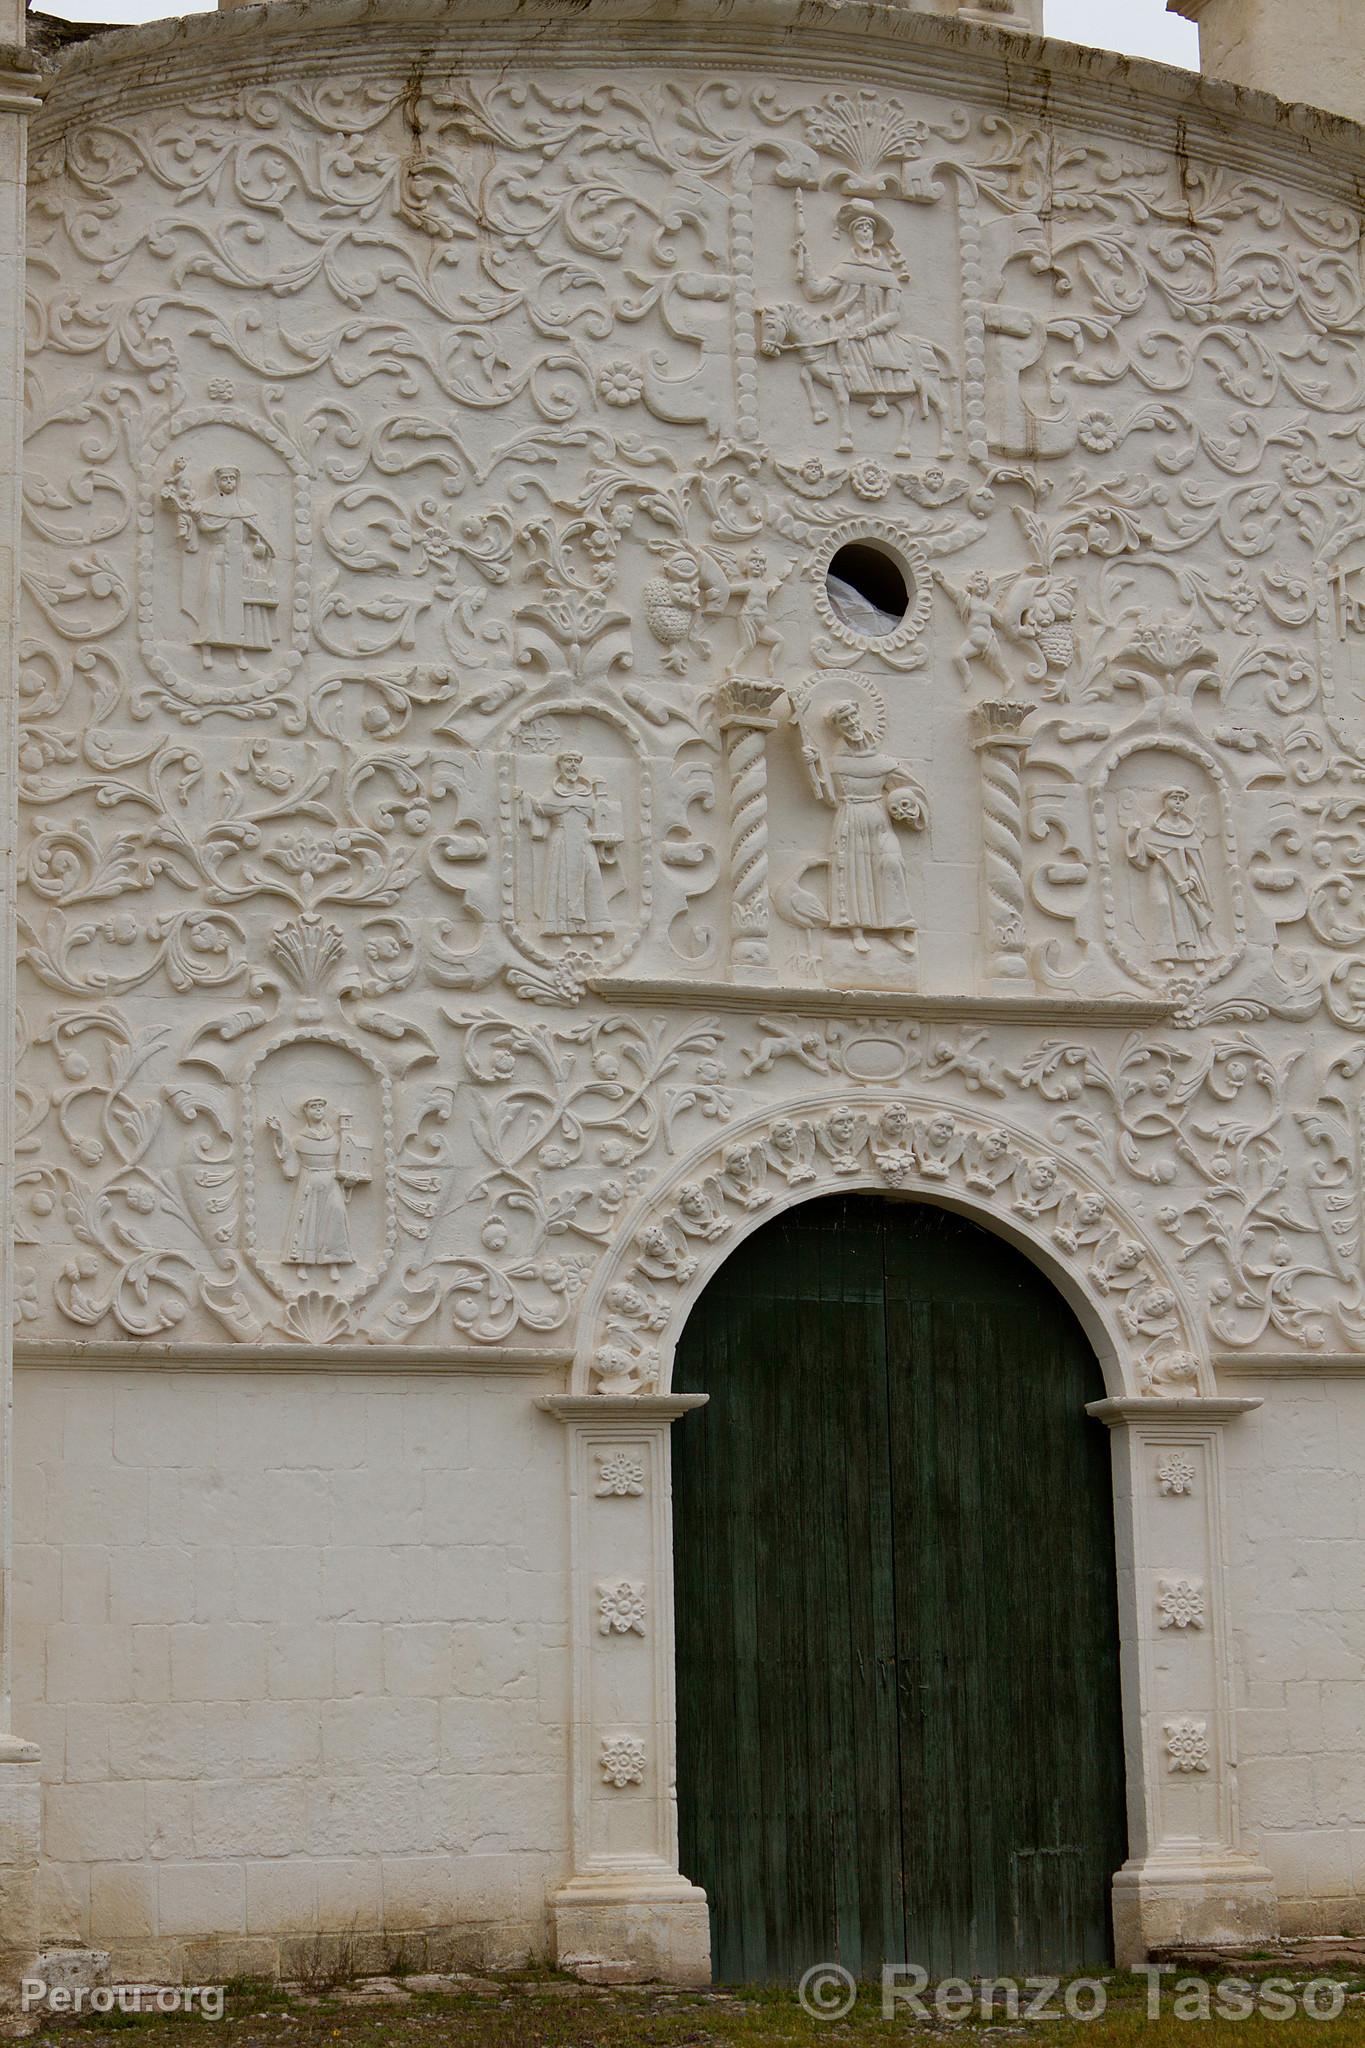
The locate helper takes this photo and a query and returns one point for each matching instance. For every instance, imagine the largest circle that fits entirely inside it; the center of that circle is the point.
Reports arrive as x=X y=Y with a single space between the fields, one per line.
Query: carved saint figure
x=1171 y=850
x=581 y=829
x=856 y=348
x=228 y=571
x=872 y=795
x=324 y=1162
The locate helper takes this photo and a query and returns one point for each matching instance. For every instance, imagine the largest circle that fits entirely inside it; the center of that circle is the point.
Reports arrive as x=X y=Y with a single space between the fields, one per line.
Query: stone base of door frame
x=1163 y=1903
x=632 y=1932
x=20 y=1842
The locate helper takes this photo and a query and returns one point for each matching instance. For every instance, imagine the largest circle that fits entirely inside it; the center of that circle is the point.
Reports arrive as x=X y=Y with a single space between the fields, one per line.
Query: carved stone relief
x=435 y=616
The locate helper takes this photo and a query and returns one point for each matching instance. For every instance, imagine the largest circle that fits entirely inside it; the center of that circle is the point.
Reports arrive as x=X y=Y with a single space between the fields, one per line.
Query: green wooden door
x=897 y=1642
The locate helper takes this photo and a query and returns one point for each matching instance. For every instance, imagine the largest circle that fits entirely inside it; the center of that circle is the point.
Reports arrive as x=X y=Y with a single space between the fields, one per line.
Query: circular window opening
x=867 y=589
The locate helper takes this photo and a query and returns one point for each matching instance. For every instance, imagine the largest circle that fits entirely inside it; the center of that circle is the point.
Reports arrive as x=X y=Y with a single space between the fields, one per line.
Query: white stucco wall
x=457 y=907
x=296 y=1652
x=1297 y=1551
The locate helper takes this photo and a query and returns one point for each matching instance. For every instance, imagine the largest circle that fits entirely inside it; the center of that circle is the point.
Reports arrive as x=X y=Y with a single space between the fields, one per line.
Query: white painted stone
x=459 y=905
x=1313 y=51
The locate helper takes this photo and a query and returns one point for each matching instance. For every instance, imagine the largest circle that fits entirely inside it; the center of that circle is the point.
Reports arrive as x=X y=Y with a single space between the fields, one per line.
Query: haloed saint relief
x=224 y=548
x=317 y=1179
x=1166 y=837
x=876 y=802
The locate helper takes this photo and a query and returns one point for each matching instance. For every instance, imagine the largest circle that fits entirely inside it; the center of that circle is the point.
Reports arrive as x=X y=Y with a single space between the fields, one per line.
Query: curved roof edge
x=1035 y=76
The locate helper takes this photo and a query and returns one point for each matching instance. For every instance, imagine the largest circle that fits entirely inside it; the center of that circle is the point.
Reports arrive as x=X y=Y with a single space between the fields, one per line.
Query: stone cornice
x=633 y=1408
x=1036 y=78
x=1171 y=1408
x=22 y=80
x=1120 y=1013
x=1286 y=1364
x=502 y=1359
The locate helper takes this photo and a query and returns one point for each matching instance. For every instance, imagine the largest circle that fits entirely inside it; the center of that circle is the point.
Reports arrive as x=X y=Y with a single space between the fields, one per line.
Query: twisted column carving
x=1000 y=745
x=746 y=717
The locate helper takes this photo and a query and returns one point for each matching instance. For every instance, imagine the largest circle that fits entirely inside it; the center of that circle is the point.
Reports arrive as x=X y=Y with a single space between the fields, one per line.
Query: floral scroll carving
x=428 y=625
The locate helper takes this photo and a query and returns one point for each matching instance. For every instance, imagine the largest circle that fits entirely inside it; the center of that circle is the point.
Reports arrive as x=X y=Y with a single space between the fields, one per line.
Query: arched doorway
x=899 y=1728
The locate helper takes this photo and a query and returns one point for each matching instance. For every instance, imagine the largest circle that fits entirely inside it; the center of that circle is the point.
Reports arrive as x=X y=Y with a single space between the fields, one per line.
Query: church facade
x=633 y=618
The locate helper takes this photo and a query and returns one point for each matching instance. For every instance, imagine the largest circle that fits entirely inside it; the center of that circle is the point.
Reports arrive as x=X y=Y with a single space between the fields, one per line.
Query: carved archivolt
x=901 y=1144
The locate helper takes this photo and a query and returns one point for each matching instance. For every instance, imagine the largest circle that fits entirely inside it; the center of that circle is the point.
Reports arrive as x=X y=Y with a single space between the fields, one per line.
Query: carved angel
x=1038 y=1189
x=791 y=1148
x=1081 y=1219
x=989 y=1160
x=699 y=1214
x=939 y=1144
x=893 y=1144
x=843 y=1139
x=979 y=606
x=663 y=1254
x=744 y=1175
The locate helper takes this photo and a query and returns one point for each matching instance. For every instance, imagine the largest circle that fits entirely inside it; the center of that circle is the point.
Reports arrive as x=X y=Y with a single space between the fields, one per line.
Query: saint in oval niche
x=323 y=1160
x=574 y=826
x=1168 y=847
x=317 y=1173
x=229 y=588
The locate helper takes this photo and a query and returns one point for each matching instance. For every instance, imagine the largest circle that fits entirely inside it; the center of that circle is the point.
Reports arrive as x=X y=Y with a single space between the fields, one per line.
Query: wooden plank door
x=898 y=1721
x=786 y=1649
x=1011 y=1742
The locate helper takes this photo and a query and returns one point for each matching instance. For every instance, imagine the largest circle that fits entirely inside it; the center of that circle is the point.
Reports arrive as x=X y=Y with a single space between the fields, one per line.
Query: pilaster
x=627 y=1913
x=19 y=1792
x=1188 y=1879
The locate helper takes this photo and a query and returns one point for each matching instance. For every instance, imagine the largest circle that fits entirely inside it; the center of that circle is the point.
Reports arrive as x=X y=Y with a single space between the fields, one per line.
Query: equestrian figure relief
x=849 y=337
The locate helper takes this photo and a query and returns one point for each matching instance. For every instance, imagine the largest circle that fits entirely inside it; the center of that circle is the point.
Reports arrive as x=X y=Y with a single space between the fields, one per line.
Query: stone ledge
x=1120 y=1012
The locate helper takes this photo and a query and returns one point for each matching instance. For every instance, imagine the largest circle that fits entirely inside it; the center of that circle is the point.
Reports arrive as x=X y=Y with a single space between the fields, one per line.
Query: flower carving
x=1187 y=1745
x=1180 y=1603
x=620 y=1476
x=619 y=383
x=621 y=1609
x=623 y=1760
x=1175 y=1473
